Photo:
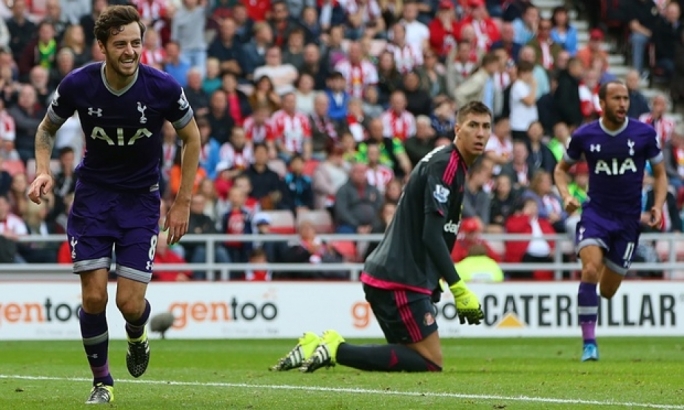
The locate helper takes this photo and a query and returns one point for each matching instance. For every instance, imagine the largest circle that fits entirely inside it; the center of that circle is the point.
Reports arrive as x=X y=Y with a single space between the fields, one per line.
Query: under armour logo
x=92 y=356
x=148 y=266
x=581 y=233
x=73 y=243
x=93 y=111
x=141 y=110
x=630 y=144
x=595 y=148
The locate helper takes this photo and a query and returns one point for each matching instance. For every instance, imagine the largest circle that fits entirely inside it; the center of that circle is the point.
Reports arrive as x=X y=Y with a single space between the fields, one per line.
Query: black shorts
x=405 y=317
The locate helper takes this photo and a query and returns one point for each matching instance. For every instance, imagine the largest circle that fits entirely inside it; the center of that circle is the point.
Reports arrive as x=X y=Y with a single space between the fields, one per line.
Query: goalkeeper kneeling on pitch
x=401 y=277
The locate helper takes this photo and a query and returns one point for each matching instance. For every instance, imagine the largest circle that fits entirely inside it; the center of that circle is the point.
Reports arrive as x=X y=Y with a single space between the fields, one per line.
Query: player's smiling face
x=123 y=48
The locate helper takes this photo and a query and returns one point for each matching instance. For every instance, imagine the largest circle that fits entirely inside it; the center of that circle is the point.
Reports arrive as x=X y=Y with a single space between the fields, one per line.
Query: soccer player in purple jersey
x=616 y=149
x=401 y=276
x=122 y=106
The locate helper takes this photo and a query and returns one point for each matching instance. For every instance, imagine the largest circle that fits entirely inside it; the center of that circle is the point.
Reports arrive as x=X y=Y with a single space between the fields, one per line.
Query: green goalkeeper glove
x=467 y=304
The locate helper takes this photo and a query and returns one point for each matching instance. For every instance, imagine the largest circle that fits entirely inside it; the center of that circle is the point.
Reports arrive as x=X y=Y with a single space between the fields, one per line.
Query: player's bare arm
x=179 y=213
x=560 y=176
x=659 y=192
x=45 y=142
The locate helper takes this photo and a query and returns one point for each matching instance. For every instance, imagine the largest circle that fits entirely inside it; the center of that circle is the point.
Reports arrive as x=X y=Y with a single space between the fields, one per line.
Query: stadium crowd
x=312 y=114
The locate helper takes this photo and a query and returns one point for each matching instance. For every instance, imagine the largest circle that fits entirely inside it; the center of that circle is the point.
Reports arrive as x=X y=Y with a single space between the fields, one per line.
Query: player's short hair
x=112 y=18
x=473 y=107
x=603 y=90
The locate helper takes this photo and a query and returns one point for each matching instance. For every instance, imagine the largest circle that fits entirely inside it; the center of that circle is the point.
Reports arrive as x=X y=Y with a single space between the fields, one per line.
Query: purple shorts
x=618 y=237
x=126 y=223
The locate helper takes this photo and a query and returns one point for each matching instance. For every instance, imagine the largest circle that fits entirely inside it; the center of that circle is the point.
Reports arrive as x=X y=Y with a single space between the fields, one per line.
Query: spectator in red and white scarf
x=407 y=56
x=397 y=122
x=588 y=92
x=486 y=30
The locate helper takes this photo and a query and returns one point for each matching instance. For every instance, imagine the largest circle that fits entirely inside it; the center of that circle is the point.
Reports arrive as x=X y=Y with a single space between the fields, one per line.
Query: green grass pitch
x=232 y=374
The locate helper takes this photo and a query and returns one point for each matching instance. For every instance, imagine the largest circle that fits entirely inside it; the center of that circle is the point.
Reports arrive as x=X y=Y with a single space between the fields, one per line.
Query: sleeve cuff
x=184 y=120
x=568 y=159
x=657 y=159
x=54 y=118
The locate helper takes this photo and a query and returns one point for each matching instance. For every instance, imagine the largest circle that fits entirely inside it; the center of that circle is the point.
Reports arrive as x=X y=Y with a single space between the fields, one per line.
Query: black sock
x=384 y=358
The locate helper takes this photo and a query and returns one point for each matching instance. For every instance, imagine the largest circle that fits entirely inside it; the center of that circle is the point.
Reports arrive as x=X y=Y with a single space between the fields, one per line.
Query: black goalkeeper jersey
x=401 y=260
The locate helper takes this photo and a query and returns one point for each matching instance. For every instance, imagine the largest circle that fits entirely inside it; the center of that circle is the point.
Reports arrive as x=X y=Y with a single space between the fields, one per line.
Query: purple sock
x=135 y=328
x=587 y=310
x=95 y=336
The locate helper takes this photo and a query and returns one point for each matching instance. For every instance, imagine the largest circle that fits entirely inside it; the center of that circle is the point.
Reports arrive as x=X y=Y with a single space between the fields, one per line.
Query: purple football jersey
x=122 y=128
x=616 y=164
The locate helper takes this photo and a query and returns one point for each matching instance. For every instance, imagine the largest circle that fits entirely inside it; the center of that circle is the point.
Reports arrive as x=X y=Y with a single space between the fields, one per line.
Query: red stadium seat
x=310 y=167
x=14 y=167
x=663 y=250
x=321 y=219
x=281 y=222
x=347 y=249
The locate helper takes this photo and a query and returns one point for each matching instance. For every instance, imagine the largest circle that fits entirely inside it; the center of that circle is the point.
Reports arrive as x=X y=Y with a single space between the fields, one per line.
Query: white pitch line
x=360 y=391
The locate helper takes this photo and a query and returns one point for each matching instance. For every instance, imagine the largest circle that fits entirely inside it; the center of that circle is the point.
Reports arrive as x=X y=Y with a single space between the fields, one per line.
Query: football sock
x=587 y=310
x=136 y=328
x=384 y=358
x=95 y=336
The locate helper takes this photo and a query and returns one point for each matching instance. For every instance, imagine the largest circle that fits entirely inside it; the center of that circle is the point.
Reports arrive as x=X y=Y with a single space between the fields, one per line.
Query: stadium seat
x=347 y=249
x=310 y=167
x=278 y=166
x=281 y=222
x=676 y=275
x=14 y=167
x=321 y=219
x=663 y=249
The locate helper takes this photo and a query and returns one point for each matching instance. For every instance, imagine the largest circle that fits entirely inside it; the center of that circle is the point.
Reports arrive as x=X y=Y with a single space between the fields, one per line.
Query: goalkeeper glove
x=467 y=304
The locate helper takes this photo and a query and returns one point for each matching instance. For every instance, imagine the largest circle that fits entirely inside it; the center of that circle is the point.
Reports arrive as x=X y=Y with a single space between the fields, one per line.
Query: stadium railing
x=670 y=267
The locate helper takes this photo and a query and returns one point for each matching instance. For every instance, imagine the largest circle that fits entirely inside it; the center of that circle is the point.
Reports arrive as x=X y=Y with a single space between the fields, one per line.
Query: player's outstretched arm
x=560 y=175
x=179 y=213
x=45 y=142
